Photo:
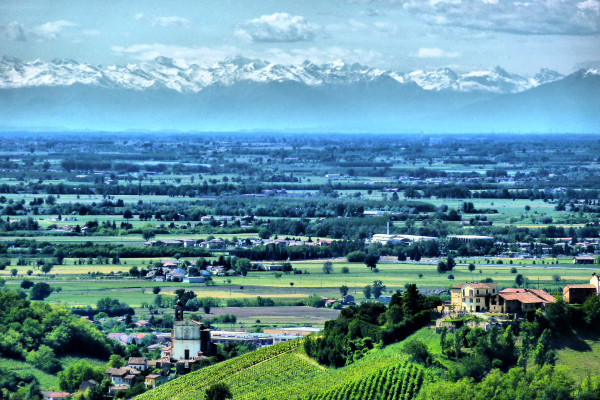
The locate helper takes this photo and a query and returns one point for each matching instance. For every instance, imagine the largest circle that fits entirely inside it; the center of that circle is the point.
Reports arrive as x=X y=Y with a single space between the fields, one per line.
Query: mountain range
x=244 y=94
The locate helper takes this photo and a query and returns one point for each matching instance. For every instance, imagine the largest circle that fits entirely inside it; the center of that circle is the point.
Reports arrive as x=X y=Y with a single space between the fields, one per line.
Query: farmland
x=277 y=232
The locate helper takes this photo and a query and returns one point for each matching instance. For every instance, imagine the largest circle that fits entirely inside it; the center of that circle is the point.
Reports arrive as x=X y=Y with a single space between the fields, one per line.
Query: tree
x=40 y=291
x=556 y=278
x=218 y=391
x=345 y=270
x=371 y=260
x=450 y=263
x=127 y=214
x=80 y=371
x=242 y=266
x=148 y=234
x=543 y=353
x=367 y=291
x=60 y=256
x=441 y=267
x=13 y=272
x=156 y=290
x=327 y=267
x=344 y=290
x=264 y=233
x=47 y=267
x=471 y=267
x=26 y=284
x=418 y=351
x=115 y=361
x=519 y=280
x=44 y=359
x=356 y=256
x=377 y=288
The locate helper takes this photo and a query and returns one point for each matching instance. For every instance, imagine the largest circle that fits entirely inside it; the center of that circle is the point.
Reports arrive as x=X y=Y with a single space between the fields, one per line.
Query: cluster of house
x=220 y=243
x=485 y=297
x=171 y=271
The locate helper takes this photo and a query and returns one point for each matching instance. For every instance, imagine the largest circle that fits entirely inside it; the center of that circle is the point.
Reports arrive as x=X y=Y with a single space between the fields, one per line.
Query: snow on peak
x=174 y=74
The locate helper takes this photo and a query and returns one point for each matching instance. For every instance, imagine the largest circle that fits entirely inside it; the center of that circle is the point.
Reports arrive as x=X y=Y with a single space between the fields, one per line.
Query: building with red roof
x=513 y=300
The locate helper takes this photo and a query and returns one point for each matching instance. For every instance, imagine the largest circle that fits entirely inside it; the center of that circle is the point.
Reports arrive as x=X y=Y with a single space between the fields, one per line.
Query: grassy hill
x=285 y=372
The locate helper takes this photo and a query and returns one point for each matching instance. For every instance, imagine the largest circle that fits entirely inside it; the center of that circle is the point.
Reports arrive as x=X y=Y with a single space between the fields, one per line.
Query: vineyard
x=189 y=386
x=401 y=381
x=284 y=371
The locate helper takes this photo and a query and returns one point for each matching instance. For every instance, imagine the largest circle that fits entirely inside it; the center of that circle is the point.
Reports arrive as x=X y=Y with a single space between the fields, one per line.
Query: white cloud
x=13 y=31
x=278 y=27
x=163 y=22
x=435 y=52
x=53 y=29
x=167 y=22
x=541 y=17
x=199 y=55
x=211 y=55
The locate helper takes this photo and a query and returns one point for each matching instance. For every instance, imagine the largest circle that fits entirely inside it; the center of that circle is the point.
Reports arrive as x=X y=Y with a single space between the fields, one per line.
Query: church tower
x=189 y=339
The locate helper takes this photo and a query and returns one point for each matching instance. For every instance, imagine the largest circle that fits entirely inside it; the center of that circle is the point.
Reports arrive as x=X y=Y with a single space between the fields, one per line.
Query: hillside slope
x=285 y=372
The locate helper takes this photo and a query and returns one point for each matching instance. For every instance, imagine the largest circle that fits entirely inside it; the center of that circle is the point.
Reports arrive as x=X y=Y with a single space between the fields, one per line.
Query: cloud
x=211 y=55
x=53 y=29
x=167 y=22
x=200 y=55
x=540 y=17
x=435 y=52
x=164 y=22
x=13 y=31
x=278 y=27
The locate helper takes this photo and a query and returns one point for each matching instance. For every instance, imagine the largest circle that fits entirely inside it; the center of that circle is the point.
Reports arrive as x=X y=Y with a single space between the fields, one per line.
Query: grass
x=79 y=288
x=580 y=354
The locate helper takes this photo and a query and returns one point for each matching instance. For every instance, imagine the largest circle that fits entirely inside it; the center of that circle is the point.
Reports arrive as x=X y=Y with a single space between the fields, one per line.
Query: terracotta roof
x=137 y=361
x=122 y=371
x=152 y=376
x=460 y=285
x=479 y=285
x=528 y=296
x=580 y=286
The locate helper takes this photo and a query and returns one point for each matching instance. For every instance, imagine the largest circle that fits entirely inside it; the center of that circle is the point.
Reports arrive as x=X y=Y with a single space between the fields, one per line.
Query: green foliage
x=538 y=383
x=25 y=326
x=40 y=291
x=358 y=329
x=44 y=359
x=116 y=361
x=418 y=351
x=218 y=391
x=78 y=372
x=356 y=256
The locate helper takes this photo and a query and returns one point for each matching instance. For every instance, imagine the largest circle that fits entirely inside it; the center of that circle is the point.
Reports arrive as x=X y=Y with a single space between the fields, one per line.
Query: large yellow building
x=472 y=297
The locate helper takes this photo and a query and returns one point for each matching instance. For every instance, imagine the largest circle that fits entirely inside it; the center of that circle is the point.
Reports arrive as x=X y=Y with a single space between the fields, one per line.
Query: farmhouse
x=473 y=297
x=520 y=300
x=578 y=294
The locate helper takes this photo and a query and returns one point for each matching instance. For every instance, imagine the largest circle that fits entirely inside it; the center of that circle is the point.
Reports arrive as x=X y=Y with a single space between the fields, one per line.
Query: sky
x=403 y=35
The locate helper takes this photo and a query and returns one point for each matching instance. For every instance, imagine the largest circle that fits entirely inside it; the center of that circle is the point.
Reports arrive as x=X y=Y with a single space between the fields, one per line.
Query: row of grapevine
x=398 y=382
x=199 y=380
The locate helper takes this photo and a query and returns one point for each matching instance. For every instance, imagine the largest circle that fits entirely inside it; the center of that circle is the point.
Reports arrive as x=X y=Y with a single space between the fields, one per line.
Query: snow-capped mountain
x=166 y=73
